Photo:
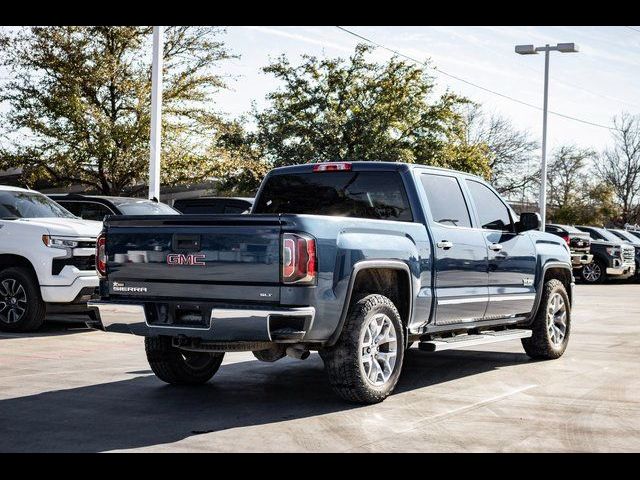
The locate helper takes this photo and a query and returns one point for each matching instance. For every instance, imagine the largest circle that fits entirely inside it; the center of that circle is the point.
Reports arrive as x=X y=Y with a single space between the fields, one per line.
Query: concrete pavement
x=71 y=389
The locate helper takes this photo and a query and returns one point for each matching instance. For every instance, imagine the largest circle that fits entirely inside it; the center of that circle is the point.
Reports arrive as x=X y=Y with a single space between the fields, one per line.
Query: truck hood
x=606 y=243
x=70 y=227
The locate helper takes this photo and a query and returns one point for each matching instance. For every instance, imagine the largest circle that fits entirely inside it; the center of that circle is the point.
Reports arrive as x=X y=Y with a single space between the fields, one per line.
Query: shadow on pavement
x=51 y=327
x=143 y=411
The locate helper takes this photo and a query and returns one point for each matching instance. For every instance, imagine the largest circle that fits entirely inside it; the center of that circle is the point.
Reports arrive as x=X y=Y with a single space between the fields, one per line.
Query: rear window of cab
x=377 y=195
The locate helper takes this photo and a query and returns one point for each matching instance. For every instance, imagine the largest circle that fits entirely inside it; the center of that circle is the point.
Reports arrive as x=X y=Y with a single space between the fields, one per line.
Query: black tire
x=598 y=266
x=21 y=306
x=543 y=344
x=347 y=374
x=180 y=367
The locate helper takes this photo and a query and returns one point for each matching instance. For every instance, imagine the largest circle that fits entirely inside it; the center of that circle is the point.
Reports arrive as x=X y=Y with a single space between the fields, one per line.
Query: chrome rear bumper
x=225 y=324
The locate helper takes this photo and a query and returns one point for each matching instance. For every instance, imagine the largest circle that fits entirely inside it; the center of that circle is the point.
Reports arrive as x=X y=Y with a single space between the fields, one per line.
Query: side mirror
x=528 y=221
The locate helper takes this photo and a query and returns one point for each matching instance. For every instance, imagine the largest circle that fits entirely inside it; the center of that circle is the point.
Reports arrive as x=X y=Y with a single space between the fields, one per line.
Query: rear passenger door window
x=446 y=201
x=236 y=208
x=73 y=207
x=492 y=212
x=87 y=210
x=595 y=235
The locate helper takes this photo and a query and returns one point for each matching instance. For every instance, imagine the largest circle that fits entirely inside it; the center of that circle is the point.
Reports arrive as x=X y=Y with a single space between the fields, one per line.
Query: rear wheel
x=365 y=363
x=21 y=306
x=180 y=367
x=552 y=324
x=594 y=272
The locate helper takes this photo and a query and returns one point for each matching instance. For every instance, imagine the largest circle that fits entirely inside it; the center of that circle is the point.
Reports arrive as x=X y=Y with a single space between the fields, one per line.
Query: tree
x=600 y=207
x=79 y=104
x=241 y=166
x=572 y=195
x=510 y=150
x=567 y=181
x=619 y=166
x=349 y=110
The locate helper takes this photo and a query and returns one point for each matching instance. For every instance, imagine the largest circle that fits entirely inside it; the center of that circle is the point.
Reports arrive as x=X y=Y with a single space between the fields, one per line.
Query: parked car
x=214 y=205
x=612 y=257
x=633 y=240
x=354 y=260
x=633 y=231
x=47 y=259
x=579 y=243
x=96 y=207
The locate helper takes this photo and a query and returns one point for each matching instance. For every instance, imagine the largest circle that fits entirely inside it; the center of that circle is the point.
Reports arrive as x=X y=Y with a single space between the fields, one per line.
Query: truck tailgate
x=213 y=257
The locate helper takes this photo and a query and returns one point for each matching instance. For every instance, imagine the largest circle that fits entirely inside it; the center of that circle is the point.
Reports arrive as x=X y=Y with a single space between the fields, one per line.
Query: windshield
x=145 y=207
x=607 y=234
x=378 y=195
x=571 y=229
x=18 y=204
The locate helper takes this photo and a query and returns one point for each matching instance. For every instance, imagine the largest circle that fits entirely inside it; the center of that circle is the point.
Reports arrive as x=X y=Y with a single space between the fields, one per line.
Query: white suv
x=46 y=259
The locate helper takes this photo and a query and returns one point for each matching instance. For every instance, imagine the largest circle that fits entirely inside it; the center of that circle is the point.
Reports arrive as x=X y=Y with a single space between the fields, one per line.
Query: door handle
x=444 y=244
x=496 y=247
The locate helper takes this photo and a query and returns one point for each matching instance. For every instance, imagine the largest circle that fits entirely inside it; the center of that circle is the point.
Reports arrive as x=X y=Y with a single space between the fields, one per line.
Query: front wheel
x=594 y=272
x=180 y=367
x=552 y=324
x=21 y=306
x=365 y=363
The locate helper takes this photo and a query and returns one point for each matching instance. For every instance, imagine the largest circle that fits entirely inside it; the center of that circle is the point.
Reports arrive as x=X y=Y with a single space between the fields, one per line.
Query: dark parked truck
x=612 y=257
x=353 y=260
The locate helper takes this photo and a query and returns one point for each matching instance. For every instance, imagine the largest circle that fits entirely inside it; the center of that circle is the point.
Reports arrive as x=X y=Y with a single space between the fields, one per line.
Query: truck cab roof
x=367 y=166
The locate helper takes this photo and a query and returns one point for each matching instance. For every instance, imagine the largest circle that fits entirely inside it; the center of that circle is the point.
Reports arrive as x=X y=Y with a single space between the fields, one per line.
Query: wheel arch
x=8 y=260
x=603 y=258
x=391 y=278
x=553 y=270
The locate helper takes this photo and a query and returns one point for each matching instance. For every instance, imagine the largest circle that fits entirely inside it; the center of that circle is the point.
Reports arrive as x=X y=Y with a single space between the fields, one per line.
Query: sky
x=598 y=82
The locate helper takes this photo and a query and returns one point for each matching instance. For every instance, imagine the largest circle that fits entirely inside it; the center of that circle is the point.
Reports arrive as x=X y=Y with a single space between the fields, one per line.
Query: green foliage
x=79 y=104
x=332 y=109
x=240 y=165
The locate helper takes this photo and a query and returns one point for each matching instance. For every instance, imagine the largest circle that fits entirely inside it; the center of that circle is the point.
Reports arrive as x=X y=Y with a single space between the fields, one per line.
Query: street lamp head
x=526 y=50
x=567 y=47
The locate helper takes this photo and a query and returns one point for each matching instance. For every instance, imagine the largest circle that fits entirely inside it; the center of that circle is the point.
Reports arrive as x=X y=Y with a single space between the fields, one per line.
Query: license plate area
x=184 y=315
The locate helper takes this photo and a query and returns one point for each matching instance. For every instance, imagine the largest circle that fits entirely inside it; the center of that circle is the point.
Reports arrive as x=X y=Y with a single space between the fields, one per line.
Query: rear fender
x=374 y=264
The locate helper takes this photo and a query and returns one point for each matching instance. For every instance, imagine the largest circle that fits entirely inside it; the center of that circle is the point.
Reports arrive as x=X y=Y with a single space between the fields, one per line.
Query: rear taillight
x=332 y=167
x=566 y=239
x=101 y=256
x=299 y=259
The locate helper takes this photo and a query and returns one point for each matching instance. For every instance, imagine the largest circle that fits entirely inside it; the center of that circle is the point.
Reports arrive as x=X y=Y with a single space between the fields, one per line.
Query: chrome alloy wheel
x=13 y=301
x=557 y=319
x=591 y=272
x=378 y=349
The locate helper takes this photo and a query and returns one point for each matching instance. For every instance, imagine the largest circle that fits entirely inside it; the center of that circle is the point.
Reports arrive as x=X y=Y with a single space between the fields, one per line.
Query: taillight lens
x=101 y=256
x=299 y=259
x=566 y=239
x=332 y=167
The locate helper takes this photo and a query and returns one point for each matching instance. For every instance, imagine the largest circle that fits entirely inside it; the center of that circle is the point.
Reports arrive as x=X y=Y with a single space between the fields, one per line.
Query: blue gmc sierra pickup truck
x=354 y=260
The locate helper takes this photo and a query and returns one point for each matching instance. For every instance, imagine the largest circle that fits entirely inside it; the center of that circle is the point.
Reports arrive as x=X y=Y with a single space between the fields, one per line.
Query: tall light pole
x=156 y=113
x=531 y=50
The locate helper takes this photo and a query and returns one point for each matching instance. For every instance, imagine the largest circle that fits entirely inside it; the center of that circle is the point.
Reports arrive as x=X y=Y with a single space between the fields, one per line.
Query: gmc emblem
x=188 y=259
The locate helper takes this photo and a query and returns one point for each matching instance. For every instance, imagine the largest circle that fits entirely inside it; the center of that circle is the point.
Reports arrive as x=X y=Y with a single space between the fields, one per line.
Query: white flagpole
x=156 y=113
